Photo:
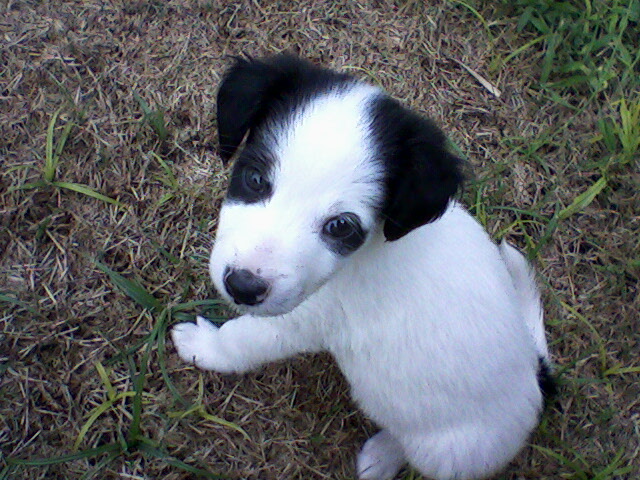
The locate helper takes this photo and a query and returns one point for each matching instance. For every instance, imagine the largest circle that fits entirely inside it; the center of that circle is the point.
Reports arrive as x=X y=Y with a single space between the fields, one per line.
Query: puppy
x=339 y=233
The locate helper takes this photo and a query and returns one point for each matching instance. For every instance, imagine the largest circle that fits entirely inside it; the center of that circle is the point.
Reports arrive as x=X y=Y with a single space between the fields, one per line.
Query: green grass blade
x=49 y=159
x=185 y=413
x=197 y=303
x=612 y=468
x=521 y=49
x=85 y=190
x=62 y=142
x=620 y=370
x=42 y=462
x=171 y=179
x=583 y=200
x=143 y=105
x=549 y=57
x=579 y=471
x=202 y=411
x=221 y=421
x=174 y=462
x=28 y=186
x=95 y=413
x=155 y=118
x=132 y=288
x=162 y=362
x=133 y=436
x=166 y=197
x=165 y=253
x=477 y=15
x=629 y=131
x=111 y=393
x=14 y=301
x=546 y=236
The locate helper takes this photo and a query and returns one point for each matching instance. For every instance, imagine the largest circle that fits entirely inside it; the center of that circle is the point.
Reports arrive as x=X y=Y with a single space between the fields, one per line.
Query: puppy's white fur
x=439 y=333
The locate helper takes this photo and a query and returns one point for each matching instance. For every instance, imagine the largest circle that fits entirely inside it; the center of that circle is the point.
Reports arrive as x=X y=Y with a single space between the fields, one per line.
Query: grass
x=619 y=132
x=110 y=190
x=155 y=118
x=132 y=440
x=588 y=46
x=51 y=160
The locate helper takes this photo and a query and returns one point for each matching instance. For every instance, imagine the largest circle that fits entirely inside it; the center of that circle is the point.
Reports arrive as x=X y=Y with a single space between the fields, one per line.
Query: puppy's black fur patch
x=252 y=160
x=422 y=175
x=254 y=91
x=546 y=380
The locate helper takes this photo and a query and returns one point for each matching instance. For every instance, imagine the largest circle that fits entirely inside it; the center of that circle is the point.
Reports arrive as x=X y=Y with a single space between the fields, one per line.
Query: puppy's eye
x=254 y=180
x=343 y=233
x=340 y=227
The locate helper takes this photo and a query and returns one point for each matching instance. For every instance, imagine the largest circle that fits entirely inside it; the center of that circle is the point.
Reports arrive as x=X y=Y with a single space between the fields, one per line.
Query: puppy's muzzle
x=244 y=287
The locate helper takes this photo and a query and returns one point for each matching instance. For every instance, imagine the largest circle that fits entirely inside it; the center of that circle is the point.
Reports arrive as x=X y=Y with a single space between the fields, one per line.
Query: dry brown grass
x=60 y=315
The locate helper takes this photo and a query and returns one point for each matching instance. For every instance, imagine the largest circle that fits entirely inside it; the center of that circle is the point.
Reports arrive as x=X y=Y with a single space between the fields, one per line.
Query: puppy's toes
x=381 y=458
x=195 y=342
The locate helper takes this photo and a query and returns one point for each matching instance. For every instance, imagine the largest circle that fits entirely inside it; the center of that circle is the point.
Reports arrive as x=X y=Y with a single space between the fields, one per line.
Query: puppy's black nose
x=244 y=287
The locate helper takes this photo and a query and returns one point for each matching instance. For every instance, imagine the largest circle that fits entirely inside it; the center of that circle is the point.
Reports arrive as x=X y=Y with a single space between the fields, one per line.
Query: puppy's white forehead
x=324 y=152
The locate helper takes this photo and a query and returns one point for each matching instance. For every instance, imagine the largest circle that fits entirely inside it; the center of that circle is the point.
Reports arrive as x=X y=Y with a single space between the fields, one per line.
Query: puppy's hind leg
x=464 y=452
x=381 y=457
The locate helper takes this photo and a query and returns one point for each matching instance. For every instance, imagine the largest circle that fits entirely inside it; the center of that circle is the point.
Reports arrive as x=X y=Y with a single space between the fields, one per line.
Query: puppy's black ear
x=254 y=89
x=422 y=174
x=240 y=99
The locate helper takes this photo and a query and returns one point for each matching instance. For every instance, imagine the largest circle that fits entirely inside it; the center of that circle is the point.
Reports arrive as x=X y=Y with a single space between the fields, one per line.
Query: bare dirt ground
x=134 y=84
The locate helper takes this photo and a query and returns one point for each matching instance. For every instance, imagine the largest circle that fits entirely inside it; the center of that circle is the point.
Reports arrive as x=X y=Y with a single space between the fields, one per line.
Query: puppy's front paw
x=199 y=343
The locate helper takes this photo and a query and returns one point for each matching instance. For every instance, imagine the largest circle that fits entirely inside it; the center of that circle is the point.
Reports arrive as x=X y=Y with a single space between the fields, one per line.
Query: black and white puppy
x=339 y=233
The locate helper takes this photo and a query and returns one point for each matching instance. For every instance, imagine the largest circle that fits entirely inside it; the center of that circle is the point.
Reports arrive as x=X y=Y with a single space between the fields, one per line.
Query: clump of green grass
x=619 y=132
x=589 y=62
x=582 y=470
x=155 y=118
x=53 y=151
x=168 y=179
x=589 y=46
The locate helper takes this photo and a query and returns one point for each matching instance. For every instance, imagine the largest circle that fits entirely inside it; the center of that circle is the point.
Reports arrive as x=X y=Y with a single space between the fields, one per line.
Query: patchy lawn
x=110 y=186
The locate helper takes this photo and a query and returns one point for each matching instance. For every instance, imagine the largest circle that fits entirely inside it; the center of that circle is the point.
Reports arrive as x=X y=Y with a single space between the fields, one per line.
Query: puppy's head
x=328 y=163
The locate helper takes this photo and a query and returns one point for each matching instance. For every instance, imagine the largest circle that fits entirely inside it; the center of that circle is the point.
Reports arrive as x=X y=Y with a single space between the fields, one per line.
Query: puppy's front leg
x=243 y=343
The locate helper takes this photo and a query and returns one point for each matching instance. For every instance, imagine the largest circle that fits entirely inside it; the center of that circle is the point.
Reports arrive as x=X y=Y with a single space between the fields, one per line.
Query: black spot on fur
x=422 y=175
x=546 y=380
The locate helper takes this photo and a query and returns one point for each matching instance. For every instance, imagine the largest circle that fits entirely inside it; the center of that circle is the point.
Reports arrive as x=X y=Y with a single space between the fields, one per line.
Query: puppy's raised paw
x=199 y=343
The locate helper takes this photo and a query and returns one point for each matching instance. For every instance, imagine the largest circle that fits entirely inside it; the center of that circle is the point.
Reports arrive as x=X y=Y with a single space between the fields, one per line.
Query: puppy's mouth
x=270 y=306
